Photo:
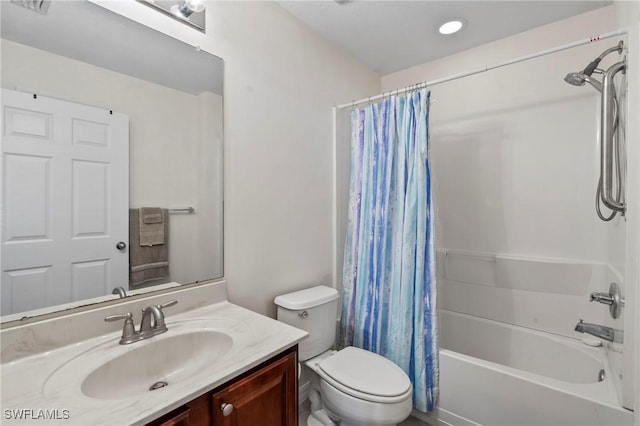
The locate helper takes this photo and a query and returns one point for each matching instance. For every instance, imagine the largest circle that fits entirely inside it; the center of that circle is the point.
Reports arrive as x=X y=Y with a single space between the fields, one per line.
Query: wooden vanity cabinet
x=193 y=413
x=267 y=395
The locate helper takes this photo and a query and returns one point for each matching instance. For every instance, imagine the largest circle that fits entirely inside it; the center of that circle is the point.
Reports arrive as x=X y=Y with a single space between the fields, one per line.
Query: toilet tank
x=315 y=311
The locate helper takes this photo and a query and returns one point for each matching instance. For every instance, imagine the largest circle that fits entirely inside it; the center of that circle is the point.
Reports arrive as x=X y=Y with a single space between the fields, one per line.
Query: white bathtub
x=497 y=374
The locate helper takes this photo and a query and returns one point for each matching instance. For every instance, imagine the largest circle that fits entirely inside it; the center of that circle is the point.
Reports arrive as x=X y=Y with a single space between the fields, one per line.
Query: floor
x=304 y=413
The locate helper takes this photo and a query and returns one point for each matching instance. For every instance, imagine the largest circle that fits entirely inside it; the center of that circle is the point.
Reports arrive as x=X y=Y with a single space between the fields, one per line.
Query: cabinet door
x=194 y=413
x=267 y=397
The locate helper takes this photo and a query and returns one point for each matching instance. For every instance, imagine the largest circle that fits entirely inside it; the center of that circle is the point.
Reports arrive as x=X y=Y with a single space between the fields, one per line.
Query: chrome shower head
x=575 y=78
x=579 y=79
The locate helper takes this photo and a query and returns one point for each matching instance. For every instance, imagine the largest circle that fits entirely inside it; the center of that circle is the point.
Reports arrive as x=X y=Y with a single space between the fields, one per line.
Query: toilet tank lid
x=308 y=298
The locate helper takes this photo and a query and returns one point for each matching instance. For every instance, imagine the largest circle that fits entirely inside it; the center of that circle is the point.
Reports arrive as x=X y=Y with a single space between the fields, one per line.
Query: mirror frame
x=144 y=15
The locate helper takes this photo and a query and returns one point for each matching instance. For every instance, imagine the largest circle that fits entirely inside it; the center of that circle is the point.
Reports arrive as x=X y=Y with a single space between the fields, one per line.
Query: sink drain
x=158 y=385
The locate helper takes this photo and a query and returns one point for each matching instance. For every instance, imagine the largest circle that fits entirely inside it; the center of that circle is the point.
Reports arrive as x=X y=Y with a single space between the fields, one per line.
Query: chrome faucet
x=152 y=323
x=154 y=312
x=120 y=291
x=600 y=331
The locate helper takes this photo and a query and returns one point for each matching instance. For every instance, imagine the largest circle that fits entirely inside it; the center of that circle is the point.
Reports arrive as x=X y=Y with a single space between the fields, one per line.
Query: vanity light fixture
x=452 y=26
x=187 y=7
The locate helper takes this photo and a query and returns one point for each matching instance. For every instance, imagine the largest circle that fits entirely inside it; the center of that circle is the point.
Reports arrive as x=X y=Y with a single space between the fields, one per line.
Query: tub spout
x=600 y=331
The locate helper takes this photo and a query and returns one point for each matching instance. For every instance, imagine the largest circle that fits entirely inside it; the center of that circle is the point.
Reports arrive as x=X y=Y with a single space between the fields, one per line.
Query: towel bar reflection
x=186 y=210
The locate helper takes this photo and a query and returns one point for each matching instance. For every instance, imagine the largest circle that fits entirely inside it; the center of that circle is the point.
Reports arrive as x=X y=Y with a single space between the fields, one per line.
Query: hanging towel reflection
x=149 y=249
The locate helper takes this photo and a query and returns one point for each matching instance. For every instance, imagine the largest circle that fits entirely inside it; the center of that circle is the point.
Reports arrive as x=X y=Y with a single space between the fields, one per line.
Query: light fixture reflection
x=187 y=7
x=188 y=12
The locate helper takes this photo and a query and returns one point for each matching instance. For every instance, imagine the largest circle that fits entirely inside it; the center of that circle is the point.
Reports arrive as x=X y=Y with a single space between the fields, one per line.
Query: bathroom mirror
x=111 y=158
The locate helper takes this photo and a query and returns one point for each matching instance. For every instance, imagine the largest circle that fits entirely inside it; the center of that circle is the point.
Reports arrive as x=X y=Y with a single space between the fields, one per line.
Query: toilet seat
x=365 y=375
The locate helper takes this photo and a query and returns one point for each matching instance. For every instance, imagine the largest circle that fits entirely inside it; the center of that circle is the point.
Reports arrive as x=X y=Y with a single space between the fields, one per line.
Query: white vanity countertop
x=48 y=383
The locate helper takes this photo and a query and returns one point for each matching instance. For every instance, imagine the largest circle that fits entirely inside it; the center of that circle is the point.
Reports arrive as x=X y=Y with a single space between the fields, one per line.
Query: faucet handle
x=118 y=317
x=160 y=321
x=605 y=298
x=614 y=299
x=128 y=330
x=168 y=304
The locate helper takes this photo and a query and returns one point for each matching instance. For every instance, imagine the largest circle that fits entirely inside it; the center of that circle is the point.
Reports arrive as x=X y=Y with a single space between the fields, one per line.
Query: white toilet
x=356 y=387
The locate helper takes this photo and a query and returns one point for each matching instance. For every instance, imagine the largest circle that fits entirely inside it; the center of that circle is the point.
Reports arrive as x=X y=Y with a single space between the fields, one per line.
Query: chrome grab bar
x=608 y=118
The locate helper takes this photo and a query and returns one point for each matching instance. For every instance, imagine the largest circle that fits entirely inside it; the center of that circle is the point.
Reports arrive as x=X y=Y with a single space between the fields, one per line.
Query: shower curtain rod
x=424 y=84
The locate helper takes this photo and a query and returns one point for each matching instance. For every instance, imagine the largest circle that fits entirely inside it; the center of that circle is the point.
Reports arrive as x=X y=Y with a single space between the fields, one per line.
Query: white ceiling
x=87 y=32
x=393 y=35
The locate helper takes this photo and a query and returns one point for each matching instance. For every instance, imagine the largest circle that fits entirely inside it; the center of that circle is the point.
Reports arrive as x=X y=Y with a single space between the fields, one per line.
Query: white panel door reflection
x=65 y=196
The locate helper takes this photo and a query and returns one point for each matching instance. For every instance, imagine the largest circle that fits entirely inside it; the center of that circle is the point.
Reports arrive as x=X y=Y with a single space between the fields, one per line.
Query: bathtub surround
x=389 y=287
x=547 y=380
x=504 y=229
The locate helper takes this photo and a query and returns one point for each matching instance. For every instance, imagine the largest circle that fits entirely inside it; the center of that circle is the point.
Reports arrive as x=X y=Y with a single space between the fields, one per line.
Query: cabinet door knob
x=227 y=409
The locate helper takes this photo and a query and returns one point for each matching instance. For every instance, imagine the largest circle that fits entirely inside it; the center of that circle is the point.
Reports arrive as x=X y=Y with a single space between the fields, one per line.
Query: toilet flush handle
x=303 y=314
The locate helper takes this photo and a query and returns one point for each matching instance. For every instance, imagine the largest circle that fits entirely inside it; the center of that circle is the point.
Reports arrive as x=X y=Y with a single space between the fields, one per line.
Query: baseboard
x=441 y=417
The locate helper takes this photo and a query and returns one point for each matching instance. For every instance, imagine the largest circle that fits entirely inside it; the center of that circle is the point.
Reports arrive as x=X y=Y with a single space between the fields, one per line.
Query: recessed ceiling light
x=451 y=27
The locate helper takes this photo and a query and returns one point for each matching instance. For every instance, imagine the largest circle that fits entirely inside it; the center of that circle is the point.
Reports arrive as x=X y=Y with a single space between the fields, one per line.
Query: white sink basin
x=191 y=349
x=168 y=361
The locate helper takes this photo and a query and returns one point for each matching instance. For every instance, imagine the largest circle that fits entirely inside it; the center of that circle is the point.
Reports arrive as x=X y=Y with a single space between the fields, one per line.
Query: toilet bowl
x=359 y=387
x=352 y=387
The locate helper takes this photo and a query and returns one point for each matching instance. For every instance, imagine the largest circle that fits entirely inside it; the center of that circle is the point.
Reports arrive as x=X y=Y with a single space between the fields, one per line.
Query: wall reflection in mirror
x=111 y=158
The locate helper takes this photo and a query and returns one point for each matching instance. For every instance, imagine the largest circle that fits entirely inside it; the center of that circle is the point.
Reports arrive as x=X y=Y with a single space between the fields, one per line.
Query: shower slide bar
x=608 y=123
x=421 y=85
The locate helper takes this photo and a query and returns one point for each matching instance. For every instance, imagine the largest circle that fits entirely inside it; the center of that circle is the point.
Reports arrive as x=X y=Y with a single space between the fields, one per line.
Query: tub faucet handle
x=613 y=299
x=601 y=298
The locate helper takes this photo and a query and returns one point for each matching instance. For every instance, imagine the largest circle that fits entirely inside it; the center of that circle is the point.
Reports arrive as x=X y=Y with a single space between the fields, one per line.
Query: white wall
x=168 y=141
x=515 y=165
x=281 y=80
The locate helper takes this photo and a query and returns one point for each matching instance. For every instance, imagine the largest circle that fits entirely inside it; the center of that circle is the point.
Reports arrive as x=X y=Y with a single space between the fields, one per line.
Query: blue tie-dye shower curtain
x=389 y=283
